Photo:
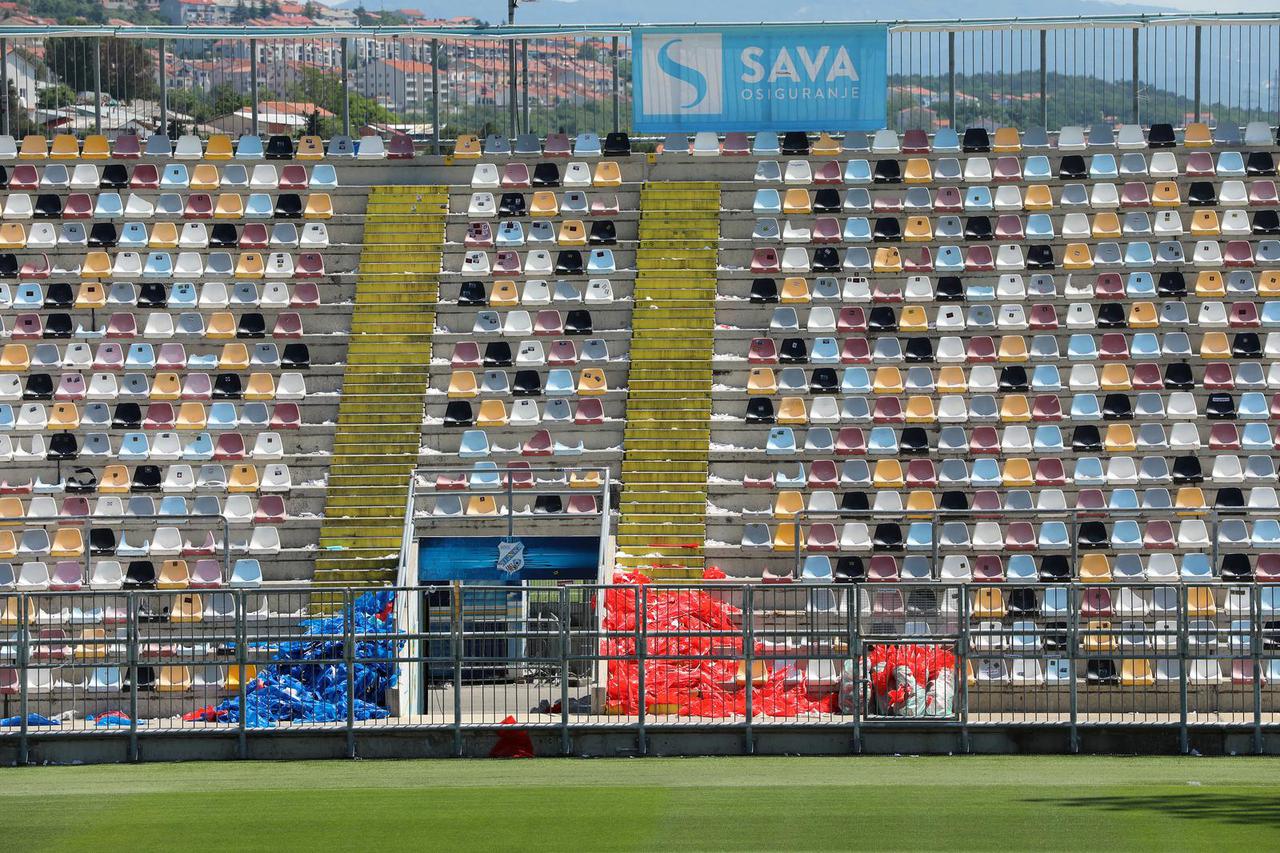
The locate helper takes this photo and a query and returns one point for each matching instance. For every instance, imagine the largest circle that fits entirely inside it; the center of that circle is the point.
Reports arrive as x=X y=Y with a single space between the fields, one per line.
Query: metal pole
x=1255 y=647
x=97 y=85
x=242 y=665
x=131 y=640
x=1184 y=744
x=1073 y=647
x=853 y=609
x=349 y=658
x=253 y=81
x=4 y=82
x=951 y=77
x=1196 y=71
x=1136 y=42
x=616 y=96
x=24 y=670
x=511 y=88
x=748 y=648
x=642 y=631
x=435 y=96
x=164 y=91
x=962 y=669
x=346 y=91
x=455 y=628
x=566 y=744
x=524 y=83
x=1044 y=79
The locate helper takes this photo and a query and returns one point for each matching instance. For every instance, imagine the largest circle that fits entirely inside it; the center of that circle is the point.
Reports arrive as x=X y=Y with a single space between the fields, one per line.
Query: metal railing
x=436 y=82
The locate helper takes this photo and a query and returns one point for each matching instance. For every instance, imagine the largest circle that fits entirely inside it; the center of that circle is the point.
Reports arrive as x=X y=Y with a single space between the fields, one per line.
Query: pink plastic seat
x=171 y=357
x=465 y=354
x=127 y=147
x=538 y=444
x=199 y=544
x=1263 y=194
x=229 y=446
x=293 y=176
x=1009 y=227
x=736 y=144
x=198 y=206
x=915 y=142
x=309 y=265
x=588 y=411
x=1218 y=377
x=74 y=507
x=918 y=260
x=516 y=176
x=921 y=474
x=562 y=353
x=507 y=263
x=605 y=205
x=1239 y=253
x=37 y=267
x=1008 y=169
x=1091 y=500
x=1020 y=536
x=288 y=325
x=883 y=568
x=765 y=260
x=450 y=482
x=1200 y=165
x=305 y=295
x=1244 y=315
x=1109 y=285
x=24 y=177
x=981 y=349
x=557 y=145
x=78 y=206
x=1224 y=436
x=827 y=172
x=146 y=176
x=1147 y=377
x=948 y=200
x=518 y=475
x=197 y=386
x=1158 y=534
x=1096 y=601
x=822 y=537
x=979 y=259
x=826 y=229
x=479 y=236
x=988 y=569
x=205 y=574
x=1046 y=407
x=67 y=576
x=888 y=410
x=286 y=416
x=763 y=351
x=27 y=327
x=889 y=203
x=1267 y=569
x=823 y=474
x=582 y=505
x=851 y=441
x=254 y=236
x=122 y=325
x=548 y=322
x=271 y=510
x=159 y=416
x=109 y=356
x=984 y=440
x=1050 y=472
x=1134 y=194
x=1043 y=316
x=400 y=147
x=851 y=319
x=855 y=351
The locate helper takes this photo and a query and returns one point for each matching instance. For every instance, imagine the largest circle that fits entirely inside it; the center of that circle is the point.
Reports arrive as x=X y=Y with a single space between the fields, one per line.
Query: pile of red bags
x=684 y=673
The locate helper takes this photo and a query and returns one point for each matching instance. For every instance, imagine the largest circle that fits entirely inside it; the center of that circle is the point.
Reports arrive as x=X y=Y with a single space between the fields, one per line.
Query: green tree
x=59 y=95
x=126 y=68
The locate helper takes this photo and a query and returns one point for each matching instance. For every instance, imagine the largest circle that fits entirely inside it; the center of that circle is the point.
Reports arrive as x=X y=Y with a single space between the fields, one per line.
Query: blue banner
x=477 y=559
x=823 y=77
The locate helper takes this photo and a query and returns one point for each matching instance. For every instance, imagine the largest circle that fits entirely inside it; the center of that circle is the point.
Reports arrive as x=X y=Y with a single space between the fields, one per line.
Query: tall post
x=524 y=83
x=435 y=96
x=4 y=84
x=1196 y=67
x=346 y=91
x=1136 y=40
x=164 y=90
x=951 y=77
x=511 y=88
x=616 y=125
x=97 y=85
x=253 y=81
x=1044 y=79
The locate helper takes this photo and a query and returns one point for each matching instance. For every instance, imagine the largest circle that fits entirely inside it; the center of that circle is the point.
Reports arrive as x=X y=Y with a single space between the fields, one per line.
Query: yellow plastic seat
x=952 y=380
x=174 y=574
x=68 y=543
x=467 y=147
x=97 y=264
x=887 y=380
x=914 y=319
x=921 y=501
x=1215 y=345
x=784 y=538
x=919 y=230
x=794 y=290
x=166 y=386
x=493 y=413
x=1106 y=224
x=482 y=505
x=10 y=615
x=1115 y=377
x=191 y=415
x=1013 y=348
x=250 y=265
x=1017 y=473
x=762 y=381
x=1136 y=672
x=888 y=259
x=1197 y=135
x=243 y=479
x=918 y=171
x=988 y=603
x=607 y=174
x=219 y=147
x=229 y=206
x=1143 y=315
x=8 y=545
x=220 y=326
x=1190 y=498
x=1201 y=603
x=115 y=480
x=1204 y=223
x=888 y=475
x=309 y=148
x=504 y=294
x=34 y=147
x=175 y=679
x=572 y=233
x=1038 y=197
x=825 y=145
x=1209 y=283
x=234 y=356
x=1165 y=194
x=96 y=147
x=92 y=644
x=319 y=206
x=64 y=147
x=758 y=676
x=585 y=480
x=544 y=203
x=463 y=385
x=792 y=410
x=1269 y=283
x=591 y=382
x=64 y=416
x=787 y=504
x=1119 y=439
x=797 y=201
x=15 y=358
x=205 y=177
x=1077 y=257
x=1097 y=636
x=91 y=294
x=1007 y=140
x=164 y=235
x=1095 y=568
x=11 y=511
x=13 y=236
x=1015 y=409
x=261 y=386
x=231 y=684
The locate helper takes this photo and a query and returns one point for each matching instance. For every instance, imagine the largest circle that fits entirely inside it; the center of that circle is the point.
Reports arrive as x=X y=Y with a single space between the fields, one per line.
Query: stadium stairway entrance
x=665 y=447
x=380 y=414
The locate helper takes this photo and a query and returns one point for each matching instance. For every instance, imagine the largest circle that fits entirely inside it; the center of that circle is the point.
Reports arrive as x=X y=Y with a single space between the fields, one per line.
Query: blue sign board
x=821 y=77
x=492 y=559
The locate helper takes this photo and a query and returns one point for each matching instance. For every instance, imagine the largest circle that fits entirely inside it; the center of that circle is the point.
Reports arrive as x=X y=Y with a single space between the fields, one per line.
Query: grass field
x=936 y=803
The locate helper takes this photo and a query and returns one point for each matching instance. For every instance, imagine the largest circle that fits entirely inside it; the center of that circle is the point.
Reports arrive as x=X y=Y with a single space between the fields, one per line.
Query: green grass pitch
x=791 y=804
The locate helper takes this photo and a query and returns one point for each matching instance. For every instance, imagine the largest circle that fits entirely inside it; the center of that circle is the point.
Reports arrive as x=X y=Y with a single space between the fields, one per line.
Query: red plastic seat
x=127 y=147
x=979 y=259
x=826 y=229
x=1147 y=377
x=305 y=295
x=855 y=351
x=981 y=349
x=917 y=260
x=557 y=145
x=538 y=444
x=400 y=147
x=1134 y=194
x=1200 y=165
x=1008 y=169
x=548 y=322
x=230 y=445
x=883 y=568
x=78 y=206
x=286 y=416
x=562 y=353
x=1020 y=536
x=948 y=200
x=293 y=176
x=1244 y=315
x=1044 y=316
x=915 y=142
x=171 y=357
x=1267 y=568
x=479 y=236
x=254 y=235
x=888 y=410
x=146 y=176
x=822 y=537
x=984 y=440
x=921 y=474
x=1114 y=346
x=122 y=325
x=159 y=416
x=1046 y=407
x=1091 y=499
x=24 y=177
x=851 y=319
x=1158 y=534
x=288 y=325
x=823 y=474
x=763 y=351
x=515 y=176
x=765 y=260
x=519 y=475
x=507 y=262
x=1263 y=194
x=1218 y=377
x=27 y=327
x=1009 y=227
x=465 y=354
x=988 y=568
x=588 y=411
x=198 y=206
x=1050 y=472
x=828 y=172
x=1109 y=285
x=1096 y=601
x=271 y=510
x=1224 y=436
x=851 y=441
x=309 y=265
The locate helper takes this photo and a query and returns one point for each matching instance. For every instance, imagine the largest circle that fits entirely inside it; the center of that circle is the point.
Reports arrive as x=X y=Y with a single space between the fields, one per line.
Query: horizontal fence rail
x=434 y=83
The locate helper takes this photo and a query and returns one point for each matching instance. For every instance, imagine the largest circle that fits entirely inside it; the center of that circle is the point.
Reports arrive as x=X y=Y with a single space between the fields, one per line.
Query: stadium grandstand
x=806 y=423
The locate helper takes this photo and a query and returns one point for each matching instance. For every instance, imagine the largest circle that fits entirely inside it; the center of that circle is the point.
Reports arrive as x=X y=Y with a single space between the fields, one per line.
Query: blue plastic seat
x=978 y=198
x=1081 y=347
x=882 y=441
x=1021 y=567
x=245 y=573
x=158 y=265
x=109 y=206
x=1047 y=438
x=1256 y=436
x=174 y=506
x=1045 y=377
x=766 y=142
x=175 y=177
x=183 y=295
x=855 y=380
x=133 y=236
x=946 y=140
x=920 y=536
x=1252 y=406
x=258 y=206
x=1126 y=534
x=857 y=172
x=1140 y=284
x=29 y=296
x=475 y=444
x=1103 y=167
x=1123 y=499
x=767 y=200
x=1039 y=227
x=1055 y=602
x=857 y=229
x=323 y=177
x=1196 y=567
x=249 y=147
x=1037 y=167
x=140 y=357
x=1088 y=471
x=985 y=474
x=819 y=440
x=857 y=200
x=949 y=259
x=1231 y=165
x=198 y=448
x=1138 y=255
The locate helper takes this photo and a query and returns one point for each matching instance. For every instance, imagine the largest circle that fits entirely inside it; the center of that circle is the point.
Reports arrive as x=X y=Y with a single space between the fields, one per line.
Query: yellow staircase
x=662 y=527
x=380 y=414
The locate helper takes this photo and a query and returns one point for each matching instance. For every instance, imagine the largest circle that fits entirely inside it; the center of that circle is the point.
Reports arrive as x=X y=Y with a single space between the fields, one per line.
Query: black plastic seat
x=918 y=351
x=47 y=206
x=764 y=291
x=922 y=602
x=63 y=445
x=1228 y=499
x=1092 y=536
x=512 y=204
x=887 y=536
x=1085 y=438
x=1187 y=469
x=296 y=356
x=58 y=326
x=527 y=383
x=1013 y=379
x=603 y=233
x=825 y=259
x=1246 y=345
x=578 y=322
x=881 y=318
x=103 y=235
x=1161 y=136
x=1111 y=315
x=458 y=413
x=251 y=325
x=975 y=139
x=146 y=675
x=1236 y=567
x=950 y=289
x=472 y=293
x=616 y=144
x=39 y=387
x=1022 y=603
x=760 y=411
x=1172 y=284
x=1072 y=168
x=1260 y=163
x=1220 y=407
x=854 y=502
x=115 y=176
x=953 y=501
x=1102 y=673
x=140 y=574
x=793 y=351
x=59 y=294
x=497 y=354
x=152 y=294
x=1040 y=257
x=824 y=381
x=1202 y=194
x=887 y=229
x=914 y=441
x=548 y=505
x=126 y=416
x=795 y=142
x=288 y=206
x=228 y=386
x=887 y=172
x=849 y=570
x=546 y=174
x=82 y=481
x=279 y=147
x=1265 y=222
x=102 y=540
x=1178 y=376
x=978 y=228
x=826 y=200
x=1117 y=407
x=1054 y=567
x=223 y=235
x=147 y=478
x=569 y=262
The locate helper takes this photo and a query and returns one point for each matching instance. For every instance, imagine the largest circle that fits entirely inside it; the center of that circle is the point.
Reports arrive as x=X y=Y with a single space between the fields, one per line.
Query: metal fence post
x=346 y=89
x=1255 y=647
x=24 y=673
x=566 y=744
x=1136 y=42
x=131 y=641
x=951 y=77
x=435 y=96
x=164 y=90
x=349 y=659
x=642 y=651
x=242 y=664
x=524 y=84
x=1073 y=646
x=455 y=630
x=253 y=81
x=1044 y=79
x=97 y=84
x=511 y=88
x=616 y=97
x=4 y=83
x=1196 y=71
x=749 y=652
x=1184 y=745
x=853 y=608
